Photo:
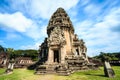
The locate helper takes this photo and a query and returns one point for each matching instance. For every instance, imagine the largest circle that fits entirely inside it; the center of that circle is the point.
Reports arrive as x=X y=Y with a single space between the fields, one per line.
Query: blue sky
x=23 y=23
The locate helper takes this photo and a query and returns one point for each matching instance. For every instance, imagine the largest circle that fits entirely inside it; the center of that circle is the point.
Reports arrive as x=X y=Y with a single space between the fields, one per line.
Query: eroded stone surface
x=62 y=51
x=109 y=72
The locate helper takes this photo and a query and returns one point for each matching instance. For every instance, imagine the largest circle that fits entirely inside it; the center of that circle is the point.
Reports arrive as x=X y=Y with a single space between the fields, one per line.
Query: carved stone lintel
x=56 y=37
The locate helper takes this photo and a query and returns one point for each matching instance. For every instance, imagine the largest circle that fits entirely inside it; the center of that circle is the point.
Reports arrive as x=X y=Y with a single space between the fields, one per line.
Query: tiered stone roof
x=59 y=18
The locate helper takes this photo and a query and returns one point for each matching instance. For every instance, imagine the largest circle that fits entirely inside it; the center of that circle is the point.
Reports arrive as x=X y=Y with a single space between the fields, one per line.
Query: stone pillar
x=4 y=61
x=9 y=65
x=12 y=66
x=50 y=56
x=63 y=53
x=42 y=53
x=79 y=51
x=108 y=71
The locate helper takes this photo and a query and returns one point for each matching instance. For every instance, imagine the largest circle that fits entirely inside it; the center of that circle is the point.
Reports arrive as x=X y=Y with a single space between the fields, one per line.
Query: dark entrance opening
x=56 y=56
x=77 y=51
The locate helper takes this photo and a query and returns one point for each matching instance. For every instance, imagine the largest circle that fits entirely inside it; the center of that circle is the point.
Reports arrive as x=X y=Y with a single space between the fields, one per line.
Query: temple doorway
x=56 y=56
x=77 y=51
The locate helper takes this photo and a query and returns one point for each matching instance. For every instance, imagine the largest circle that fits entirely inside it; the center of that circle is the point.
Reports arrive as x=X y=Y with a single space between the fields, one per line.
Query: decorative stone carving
x=56 y=37
x=83 y=48
x=76 y=37
x=61 y=19
x=65 y=52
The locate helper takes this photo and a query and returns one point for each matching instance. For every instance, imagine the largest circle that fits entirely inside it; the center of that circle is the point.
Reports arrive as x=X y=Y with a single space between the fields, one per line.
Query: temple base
x=72 y=64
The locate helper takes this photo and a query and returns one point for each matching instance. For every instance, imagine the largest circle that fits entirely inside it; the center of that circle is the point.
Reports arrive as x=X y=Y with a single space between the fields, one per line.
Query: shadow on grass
x=96 y=75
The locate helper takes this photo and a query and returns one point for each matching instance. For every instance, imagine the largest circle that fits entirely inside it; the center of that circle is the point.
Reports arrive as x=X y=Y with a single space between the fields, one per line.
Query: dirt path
x=46 y=77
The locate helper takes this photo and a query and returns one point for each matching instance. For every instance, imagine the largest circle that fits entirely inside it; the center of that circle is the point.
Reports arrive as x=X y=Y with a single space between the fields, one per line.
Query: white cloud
x=12 y=36
x=82 y=28
x=35 y=45
x=31 y=46
x=42 y=8
x=99 y=36
x=35 y=9
x=84 y=2
x=36 y=32
x=92 y=10
x=18 y=22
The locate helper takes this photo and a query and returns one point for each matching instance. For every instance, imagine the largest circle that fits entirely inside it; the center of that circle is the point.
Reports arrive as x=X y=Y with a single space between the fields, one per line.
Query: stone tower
x=62 y=49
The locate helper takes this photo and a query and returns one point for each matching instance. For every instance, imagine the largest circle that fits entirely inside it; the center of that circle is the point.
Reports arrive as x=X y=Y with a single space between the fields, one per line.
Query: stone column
x=108 y=71
x=79 y=51
x=5 y=60
x=12 y=66
x=50 y=56
x=63 y=53
x=42 y=53
x=9 y=65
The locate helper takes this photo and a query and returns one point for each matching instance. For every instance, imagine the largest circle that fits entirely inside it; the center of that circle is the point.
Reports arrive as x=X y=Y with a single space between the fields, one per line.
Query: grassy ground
x=23 y=74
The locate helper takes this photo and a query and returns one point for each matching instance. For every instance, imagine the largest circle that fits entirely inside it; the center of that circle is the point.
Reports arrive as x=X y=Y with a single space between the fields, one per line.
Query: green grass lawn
x=23 y=74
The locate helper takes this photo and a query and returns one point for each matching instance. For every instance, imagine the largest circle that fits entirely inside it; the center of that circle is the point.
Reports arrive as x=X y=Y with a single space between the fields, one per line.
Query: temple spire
x=59 y=18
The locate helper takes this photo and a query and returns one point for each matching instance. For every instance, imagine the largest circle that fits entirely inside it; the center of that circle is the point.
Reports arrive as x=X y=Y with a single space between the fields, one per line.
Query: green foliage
x=33 y=54
x=24 y=53
x=1 y=48
x=108 y=56
x=23 y=74
x=10 y=50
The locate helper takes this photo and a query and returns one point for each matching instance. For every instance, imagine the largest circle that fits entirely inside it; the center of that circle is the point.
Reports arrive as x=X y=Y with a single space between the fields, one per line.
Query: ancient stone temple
x=3 y=59
x=62 y=51
x=23 y=62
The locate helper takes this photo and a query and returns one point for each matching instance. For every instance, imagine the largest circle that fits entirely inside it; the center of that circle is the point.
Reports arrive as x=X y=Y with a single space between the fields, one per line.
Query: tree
x=108 y=56
x=10 y=50
x=24 y=53
x=1 y=48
